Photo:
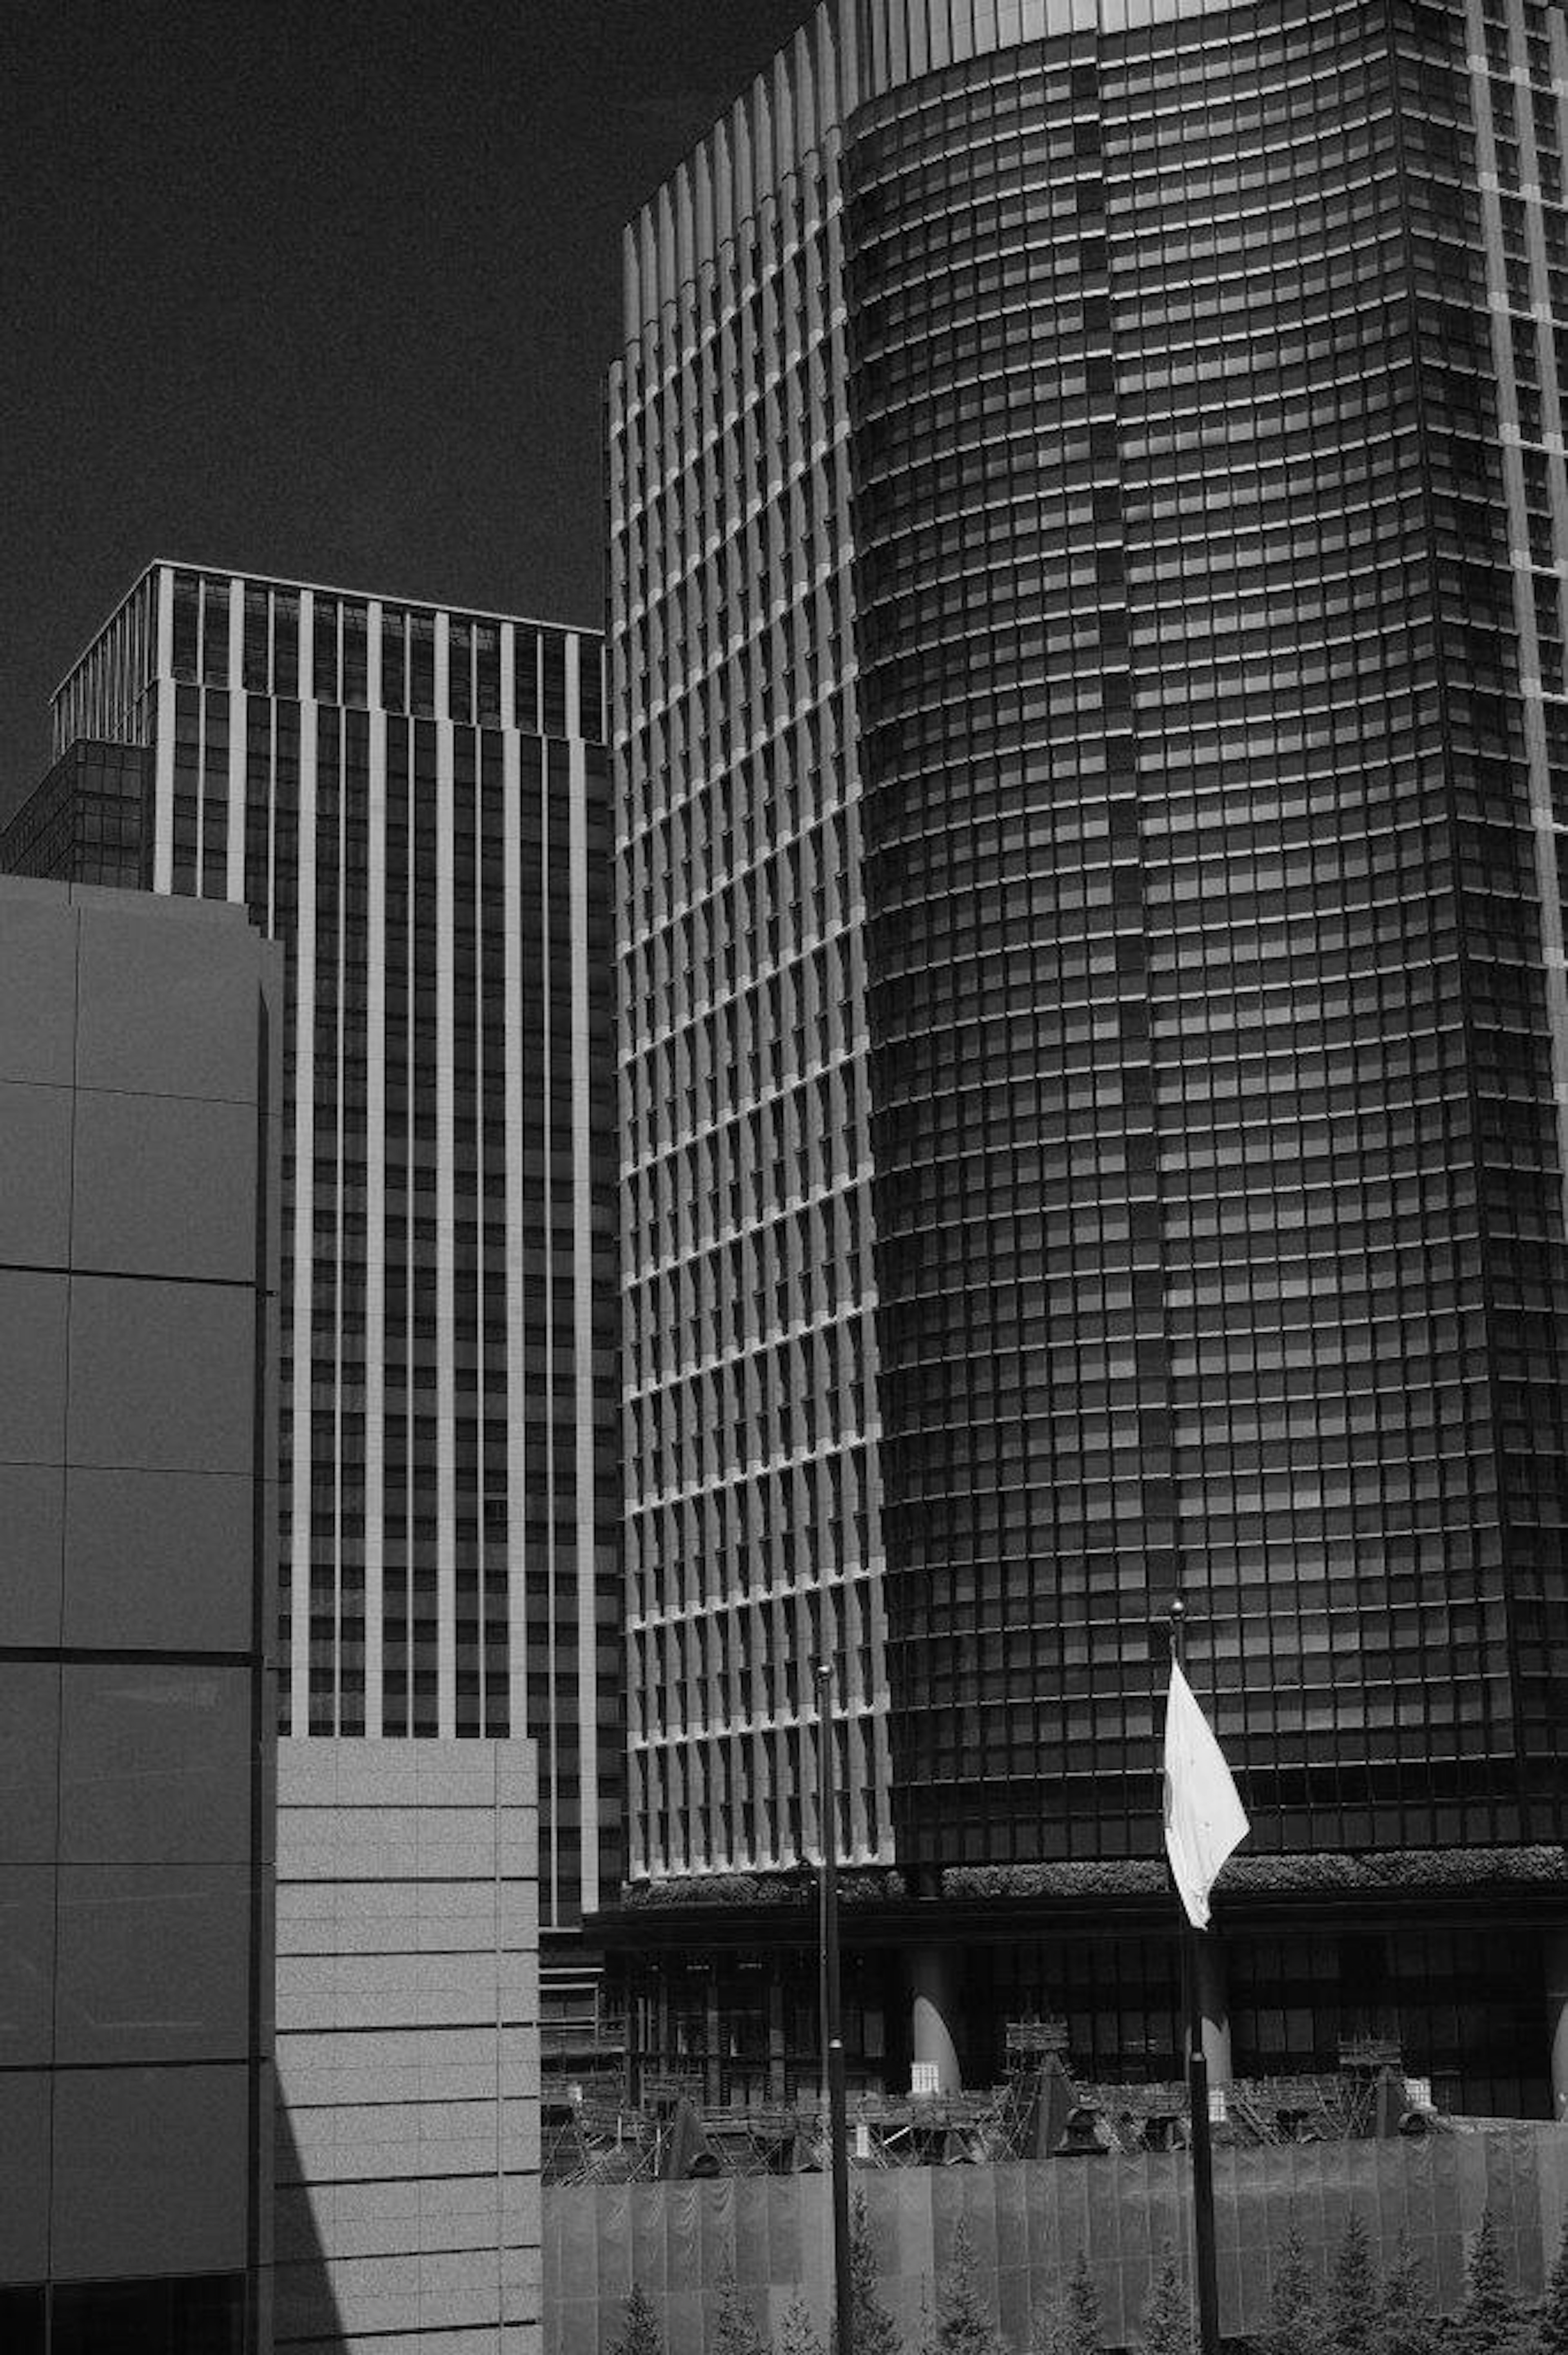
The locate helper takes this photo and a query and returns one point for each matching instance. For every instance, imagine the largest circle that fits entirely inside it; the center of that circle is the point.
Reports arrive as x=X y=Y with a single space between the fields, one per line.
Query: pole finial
x=1177 y=1629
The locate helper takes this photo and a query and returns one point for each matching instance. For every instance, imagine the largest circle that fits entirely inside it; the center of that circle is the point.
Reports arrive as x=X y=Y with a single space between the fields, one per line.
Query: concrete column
x=713 y=2044
x=1215 y=2003
x=776 y=2030
x=664 y=2041
x=933 y=2010
x=635 y=2035
x=1554 y=1958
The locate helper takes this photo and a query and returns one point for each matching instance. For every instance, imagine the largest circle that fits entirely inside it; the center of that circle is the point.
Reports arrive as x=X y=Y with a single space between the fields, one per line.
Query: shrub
x=800 y=2336
x=1490 y=2321
x=640 y=2326
x=1167 y=2318
x=735 y=2332
x=1350 y=2306
x=1552 y=2330
x=964 y=2326
x=1294 y=2325
x=1402 y=2322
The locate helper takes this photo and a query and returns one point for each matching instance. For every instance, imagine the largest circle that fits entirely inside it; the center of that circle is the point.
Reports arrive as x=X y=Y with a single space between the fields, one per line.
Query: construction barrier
x=1027 y=2221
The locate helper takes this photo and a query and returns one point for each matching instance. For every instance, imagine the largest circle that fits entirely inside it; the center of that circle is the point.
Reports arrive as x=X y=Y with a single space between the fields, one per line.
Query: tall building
x=413 y=801
x=1089 y=524
x=138 y=1382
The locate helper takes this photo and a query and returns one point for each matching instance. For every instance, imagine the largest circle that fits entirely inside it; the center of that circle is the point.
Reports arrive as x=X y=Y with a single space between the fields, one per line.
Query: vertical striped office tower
x=414 y=802
x=1088 y=539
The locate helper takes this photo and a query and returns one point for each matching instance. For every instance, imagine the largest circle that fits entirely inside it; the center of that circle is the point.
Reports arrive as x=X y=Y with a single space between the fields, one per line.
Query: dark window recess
x=190 y=2315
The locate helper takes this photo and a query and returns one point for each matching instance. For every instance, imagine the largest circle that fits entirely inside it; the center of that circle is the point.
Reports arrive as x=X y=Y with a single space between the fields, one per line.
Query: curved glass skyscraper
x=1088 y=516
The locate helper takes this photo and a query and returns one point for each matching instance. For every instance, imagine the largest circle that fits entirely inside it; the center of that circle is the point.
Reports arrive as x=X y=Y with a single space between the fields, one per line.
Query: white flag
x=1205 y=1819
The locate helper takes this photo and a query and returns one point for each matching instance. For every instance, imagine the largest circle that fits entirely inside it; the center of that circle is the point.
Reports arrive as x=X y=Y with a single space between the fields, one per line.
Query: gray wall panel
x=27 y=1967
x=25 y=2178
x=135 y=1478
x=172 y=2144
x=34 y=1175
x=30 y=1737
x=32 y=1366
x=154 y=1963
x=37 y=983
x=160 y=1011
x=30 y=1558
x=156 y=1760
x=161 y=1375
x=158 y=1560
x=163 y=1187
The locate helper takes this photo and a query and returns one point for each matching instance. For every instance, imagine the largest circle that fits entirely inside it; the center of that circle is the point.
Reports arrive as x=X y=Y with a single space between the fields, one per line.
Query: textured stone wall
x=408 y=2041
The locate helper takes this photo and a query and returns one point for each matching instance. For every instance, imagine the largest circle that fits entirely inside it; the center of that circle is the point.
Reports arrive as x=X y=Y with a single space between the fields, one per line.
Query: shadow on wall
x=305 y=2317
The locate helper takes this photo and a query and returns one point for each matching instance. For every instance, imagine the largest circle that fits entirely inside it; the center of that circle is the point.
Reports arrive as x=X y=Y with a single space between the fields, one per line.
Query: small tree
x=1351 y=2307
x=1491 y=2321
x=1050 y=2327
x=1070 y=2323
x=735 y=2331
x=1167 y=2318
x=639 y=2333
x=964 y=2326
x=1402 y=2322
x=1552 y=2330
x=1083 y=2308
x=1295 y=2325
x=800 y=2335
x=926 y=2328
x=875 y=2332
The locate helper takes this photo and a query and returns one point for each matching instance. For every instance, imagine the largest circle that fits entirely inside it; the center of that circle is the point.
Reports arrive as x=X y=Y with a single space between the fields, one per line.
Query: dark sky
x=322 y=288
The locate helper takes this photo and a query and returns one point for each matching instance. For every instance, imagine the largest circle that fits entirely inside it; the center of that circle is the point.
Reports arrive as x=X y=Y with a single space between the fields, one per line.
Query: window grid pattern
x=416 y=803
x=88 y=821
x=104 y=694
x=1219 y=1230
x=753 y=1543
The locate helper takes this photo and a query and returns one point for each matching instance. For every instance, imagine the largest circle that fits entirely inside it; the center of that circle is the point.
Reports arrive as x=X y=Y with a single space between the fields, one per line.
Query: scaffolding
x=1040 y=2111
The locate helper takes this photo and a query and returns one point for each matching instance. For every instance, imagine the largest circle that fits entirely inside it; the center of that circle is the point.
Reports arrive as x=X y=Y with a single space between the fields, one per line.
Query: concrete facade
x=407 y=2049
x=140 y=1079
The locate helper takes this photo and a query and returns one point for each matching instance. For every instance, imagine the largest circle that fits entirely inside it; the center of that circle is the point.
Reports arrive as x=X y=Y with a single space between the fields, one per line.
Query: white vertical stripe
x=375 y=1199
x=271 y=816
x=574 y=686
x=375 y=1223
x=446 y=1372
x=164 y=753
x=508 y=677
x=375 y=1194
x=485 y=1148
x=583 y=1307
x=443 y=642
x=516 y=1376
x=234 y=885
x=550 y=1880
x=198 y=863
x=297 y=1665
x=338 y=949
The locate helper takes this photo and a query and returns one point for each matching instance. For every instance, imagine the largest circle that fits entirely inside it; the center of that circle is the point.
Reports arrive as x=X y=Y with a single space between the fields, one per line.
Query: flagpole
x=832 y=2020
x=1198 y=2088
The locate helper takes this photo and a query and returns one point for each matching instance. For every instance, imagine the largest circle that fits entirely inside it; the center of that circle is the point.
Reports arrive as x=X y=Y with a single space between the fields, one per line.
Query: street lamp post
x=832 y=2021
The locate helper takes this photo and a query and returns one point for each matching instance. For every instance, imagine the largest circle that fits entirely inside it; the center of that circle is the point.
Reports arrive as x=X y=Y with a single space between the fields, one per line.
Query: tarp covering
x=1027 y=2221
